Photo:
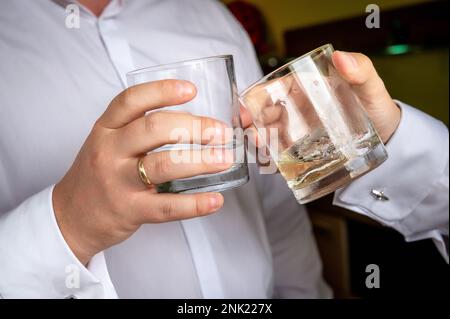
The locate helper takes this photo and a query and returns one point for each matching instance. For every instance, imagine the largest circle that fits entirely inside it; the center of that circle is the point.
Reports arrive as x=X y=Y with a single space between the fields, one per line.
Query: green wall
x=420 y=79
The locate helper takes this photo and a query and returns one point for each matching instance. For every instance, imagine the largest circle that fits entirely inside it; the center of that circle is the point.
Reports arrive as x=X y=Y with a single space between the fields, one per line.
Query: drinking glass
x=314 y=125
x=217 y=98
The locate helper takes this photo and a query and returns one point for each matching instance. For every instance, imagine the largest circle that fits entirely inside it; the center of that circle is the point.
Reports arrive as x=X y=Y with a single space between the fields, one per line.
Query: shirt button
x=379 y=195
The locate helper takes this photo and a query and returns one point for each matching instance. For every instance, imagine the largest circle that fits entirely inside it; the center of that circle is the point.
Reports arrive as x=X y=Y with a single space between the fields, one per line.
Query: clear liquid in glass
x=235 y=176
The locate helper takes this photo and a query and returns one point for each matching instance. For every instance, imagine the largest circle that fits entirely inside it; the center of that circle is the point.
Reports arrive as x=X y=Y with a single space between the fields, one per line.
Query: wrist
x=67 y=225
x=393 y=121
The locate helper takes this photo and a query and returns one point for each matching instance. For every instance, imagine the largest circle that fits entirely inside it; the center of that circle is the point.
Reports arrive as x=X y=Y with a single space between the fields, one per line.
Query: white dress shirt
x=414 y=180
x=57 y=81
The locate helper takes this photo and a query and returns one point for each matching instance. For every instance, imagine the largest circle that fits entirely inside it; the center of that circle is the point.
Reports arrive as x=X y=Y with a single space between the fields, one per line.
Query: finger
x=269 y=117
x=159 y=208
x=256 y=146
x=272 y=114
x=246 y=118
x=262 y=106
x=250 y=129
x=252 y=103
x=253 y=136
x=136 y=100
x=165 y=166
x=358 y=70
x=164 y=127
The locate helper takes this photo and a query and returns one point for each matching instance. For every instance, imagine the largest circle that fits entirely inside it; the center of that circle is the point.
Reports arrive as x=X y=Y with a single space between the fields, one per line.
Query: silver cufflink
x=379 y=195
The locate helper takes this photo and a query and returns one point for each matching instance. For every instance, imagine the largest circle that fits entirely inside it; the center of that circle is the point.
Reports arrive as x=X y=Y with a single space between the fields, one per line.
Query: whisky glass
x=216 y=97
x=314 y=125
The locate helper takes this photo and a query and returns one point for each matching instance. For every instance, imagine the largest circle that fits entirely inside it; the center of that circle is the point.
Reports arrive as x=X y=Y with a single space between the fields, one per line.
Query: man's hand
x=359 y=72
x=101 y=201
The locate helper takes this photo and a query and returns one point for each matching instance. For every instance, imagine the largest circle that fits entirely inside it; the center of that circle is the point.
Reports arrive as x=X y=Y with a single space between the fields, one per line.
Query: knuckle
x=126 y=97
x=166 y=210
x=196 y=209
x=151 y=122
x=97 y=158
x=365 y=60
x=97 y=126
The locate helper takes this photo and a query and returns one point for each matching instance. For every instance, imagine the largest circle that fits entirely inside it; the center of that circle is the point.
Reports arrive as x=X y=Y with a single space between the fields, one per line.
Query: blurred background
x=410 y=52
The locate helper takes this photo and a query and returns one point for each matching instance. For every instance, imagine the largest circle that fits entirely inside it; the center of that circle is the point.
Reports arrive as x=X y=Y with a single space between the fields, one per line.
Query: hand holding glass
x=216 y=98
x=314 y=125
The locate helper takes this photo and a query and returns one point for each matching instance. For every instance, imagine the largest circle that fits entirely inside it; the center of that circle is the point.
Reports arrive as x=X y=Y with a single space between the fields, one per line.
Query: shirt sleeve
x=36 y=262
x=414 y=180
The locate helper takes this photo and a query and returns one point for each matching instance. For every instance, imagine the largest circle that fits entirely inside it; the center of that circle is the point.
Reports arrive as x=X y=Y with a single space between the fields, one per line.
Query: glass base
x=235 y=176
x=352 y=169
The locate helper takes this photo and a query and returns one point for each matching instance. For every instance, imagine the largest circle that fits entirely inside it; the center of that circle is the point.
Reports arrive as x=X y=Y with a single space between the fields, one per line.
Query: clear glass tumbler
x=217 y=98
x=314 y=125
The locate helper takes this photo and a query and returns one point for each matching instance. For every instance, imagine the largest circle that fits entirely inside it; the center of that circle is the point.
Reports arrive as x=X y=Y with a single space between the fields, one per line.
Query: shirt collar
x=112 y=9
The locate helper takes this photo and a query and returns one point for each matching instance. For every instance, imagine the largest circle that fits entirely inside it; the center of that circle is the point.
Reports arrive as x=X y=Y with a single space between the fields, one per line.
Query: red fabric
x=253 y=22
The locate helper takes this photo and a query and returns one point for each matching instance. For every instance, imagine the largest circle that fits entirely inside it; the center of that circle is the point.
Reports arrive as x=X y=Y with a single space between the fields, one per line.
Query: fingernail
x=351 y=60
x=185 y=88
x=215 y=201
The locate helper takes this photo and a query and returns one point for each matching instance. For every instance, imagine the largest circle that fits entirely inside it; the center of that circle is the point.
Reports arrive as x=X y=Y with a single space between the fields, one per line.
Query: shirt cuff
x=418 y=155
x=38 y=263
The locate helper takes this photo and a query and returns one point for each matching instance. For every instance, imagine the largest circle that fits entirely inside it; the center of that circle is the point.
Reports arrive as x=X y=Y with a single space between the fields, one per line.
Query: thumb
x=358 y=71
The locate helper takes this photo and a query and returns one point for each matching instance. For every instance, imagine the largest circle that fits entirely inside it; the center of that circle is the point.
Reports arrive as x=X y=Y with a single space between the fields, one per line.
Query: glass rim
x=266 y=77
x=177 y=64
